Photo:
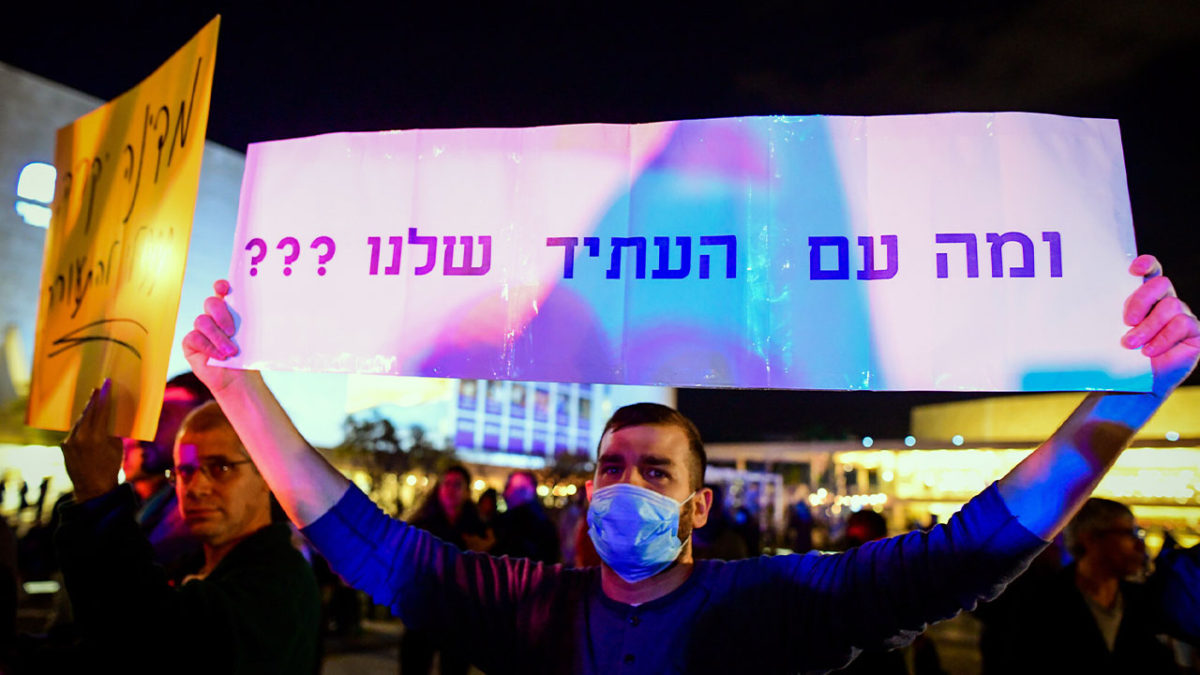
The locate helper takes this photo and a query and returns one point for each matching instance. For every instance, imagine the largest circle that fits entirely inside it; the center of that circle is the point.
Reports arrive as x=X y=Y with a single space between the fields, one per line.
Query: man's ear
x=587 y=487
x=701 y=506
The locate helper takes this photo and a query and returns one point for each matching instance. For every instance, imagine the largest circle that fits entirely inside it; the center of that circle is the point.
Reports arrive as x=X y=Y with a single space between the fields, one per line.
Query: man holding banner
x=650 y=607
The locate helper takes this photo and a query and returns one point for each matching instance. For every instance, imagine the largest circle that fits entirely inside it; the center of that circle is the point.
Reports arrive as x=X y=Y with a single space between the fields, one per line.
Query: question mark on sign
x=257 y=257
x=327 y=255
x=291 y=257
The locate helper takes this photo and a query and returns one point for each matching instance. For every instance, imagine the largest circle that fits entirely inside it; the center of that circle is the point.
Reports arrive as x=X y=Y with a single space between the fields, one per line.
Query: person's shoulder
x=269 y=549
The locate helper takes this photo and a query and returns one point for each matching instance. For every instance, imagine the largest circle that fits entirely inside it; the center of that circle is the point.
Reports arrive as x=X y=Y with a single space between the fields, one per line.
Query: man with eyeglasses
x=1095 y=615
x=251 y=607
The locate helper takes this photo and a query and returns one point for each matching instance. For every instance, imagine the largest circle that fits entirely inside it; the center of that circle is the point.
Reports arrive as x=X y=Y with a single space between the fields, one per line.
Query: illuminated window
x=35 y=191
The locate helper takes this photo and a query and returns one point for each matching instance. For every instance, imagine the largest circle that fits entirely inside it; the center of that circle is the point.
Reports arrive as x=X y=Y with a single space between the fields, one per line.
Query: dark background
x=296 y=69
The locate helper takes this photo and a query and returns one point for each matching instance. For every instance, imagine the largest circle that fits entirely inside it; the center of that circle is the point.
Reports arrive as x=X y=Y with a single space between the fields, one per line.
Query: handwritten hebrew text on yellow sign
x=117 y=244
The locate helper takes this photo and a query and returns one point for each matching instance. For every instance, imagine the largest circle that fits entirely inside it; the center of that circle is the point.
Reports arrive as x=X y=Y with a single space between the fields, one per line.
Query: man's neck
x=1096 y=582
x=646 y=590
x=215 y=553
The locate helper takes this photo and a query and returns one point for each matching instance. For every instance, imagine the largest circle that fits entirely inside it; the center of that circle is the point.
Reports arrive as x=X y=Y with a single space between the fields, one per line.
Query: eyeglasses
x=1135 y=532
x=217 y=470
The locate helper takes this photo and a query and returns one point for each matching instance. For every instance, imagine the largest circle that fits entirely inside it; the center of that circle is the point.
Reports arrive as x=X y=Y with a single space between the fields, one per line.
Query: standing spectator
x=1091 y=616
x=487 y=505
x=252 y=607
x=449 y=514
x=524 y=530
x=718 y=540
x=799 y=532
x=145 y=464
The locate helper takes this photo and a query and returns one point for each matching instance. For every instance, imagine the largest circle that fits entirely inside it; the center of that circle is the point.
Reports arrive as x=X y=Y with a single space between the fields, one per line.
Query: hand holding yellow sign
x=117 y=245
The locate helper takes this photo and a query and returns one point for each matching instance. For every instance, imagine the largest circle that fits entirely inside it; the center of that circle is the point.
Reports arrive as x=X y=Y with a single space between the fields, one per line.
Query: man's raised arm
x=1050 y=485
x=305 y=484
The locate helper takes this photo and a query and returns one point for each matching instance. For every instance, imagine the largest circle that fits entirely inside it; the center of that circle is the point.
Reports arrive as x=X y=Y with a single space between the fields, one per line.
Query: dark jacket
x=1045 y=625
x=257 y=612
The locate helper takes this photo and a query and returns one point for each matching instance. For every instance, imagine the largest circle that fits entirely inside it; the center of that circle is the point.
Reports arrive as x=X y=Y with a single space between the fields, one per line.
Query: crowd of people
x=191 y=563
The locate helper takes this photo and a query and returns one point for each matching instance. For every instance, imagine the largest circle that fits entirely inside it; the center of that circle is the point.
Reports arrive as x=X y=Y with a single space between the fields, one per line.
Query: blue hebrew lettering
x=568 y=244
x=998 y=241
x=618 y=243
x=729 y=241
x=815 y=271
x=431 y=257
x=664 y=270
x=967 y=239
x=593 y=246
x=1054 y=239
x=468 y=268
x=890 y=244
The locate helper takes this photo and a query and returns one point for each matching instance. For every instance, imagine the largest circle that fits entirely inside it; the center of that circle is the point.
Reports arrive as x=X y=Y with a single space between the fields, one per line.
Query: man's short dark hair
x=643 y=414
x=192 y=384
x=1095 y=515
x=209 y=417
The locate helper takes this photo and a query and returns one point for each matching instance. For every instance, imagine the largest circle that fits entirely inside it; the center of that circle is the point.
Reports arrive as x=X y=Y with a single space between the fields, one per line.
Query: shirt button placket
x=628 y=660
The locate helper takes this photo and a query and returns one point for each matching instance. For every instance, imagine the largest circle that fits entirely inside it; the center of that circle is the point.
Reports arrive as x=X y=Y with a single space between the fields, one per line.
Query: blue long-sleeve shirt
x=789 y=613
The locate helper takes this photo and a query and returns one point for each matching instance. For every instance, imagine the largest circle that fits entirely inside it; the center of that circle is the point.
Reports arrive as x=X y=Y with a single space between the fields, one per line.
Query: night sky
x=297 y=69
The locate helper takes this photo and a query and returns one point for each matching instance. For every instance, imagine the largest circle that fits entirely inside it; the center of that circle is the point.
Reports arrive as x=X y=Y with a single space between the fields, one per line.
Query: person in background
x=524 y=530
x=145 y=464
x=1094 y=616
x=798 y=533
x=251 y=607
x=718 y=540
x=862 y=526
x=487 y=505
x=448 y=514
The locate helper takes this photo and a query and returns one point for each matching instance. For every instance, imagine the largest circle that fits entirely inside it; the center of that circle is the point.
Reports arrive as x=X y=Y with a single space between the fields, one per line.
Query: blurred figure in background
x=861 y=527
x=145 y=464
x=718 y=540
x=449 y=514
x=798 y=534
x=524 y=530
x=745 y=523
x=488 y=504
x=1092 y=616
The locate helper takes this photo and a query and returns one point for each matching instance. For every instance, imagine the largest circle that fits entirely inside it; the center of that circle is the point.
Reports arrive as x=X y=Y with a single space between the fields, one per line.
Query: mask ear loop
x=693 y=530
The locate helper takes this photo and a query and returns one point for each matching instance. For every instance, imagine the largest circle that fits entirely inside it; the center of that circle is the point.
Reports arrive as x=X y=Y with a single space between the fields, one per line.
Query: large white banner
x=962 y=251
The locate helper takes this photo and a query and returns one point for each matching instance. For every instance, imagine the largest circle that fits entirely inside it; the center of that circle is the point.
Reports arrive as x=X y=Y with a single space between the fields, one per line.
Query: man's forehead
x=218 y=442
x=651 y=442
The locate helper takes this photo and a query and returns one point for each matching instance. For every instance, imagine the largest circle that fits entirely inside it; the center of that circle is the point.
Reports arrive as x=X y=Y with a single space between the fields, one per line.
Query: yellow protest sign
x=117 y=244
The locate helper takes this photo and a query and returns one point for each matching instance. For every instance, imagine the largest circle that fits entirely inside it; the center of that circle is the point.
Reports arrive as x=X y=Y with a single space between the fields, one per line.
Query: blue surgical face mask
x=635 y=530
